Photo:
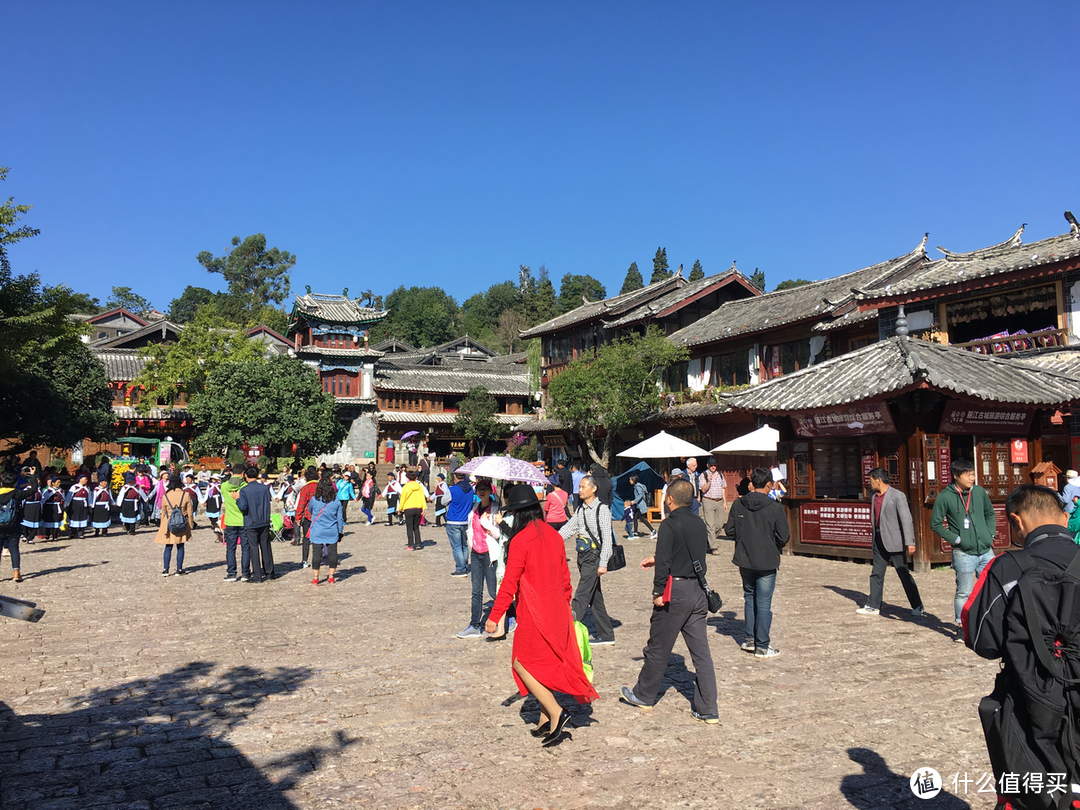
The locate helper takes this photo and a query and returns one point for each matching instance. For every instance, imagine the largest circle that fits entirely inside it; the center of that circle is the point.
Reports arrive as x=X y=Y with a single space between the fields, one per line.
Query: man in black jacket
x=1037 y=519
x=682 y=539
x=760 y=529
x=254 y=502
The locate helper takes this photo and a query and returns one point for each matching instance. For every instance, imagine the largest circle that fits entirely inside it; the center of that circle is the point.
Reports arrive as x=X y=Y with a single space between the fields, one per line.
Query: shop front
x=909 y=408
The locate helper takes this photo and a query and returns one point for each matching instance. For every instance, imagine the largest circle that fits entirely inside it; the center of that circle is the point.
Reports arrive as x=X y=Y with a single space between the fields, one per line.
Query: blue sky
x=447 y=143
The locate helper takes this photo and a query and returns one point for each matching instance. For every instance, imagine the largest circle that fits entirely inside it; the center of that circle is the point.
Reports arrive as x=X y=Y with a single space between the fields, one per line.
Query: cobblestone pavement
x=136 y=691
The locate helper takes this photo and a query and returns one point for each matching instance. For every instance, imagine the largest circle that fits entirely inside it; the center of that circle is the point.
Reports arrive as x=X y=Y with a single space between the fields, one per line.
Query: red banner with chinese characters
x=870 y=417
x=983 y=420
x=1018 y=451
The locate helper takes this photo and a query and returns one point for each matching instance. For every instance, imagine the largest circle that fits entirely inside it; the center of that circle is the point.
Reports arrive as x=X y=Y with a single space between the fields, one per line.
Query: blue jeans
x=232 y=534
x=482 y=568
x=459 y=539
x=179 y=556
x=758 y=590
x=967 y=567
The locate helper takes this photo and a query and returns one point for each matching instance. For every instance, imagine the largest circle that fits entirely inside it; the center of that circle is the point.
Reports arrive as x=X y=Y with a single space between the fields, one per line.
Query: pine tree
x=696 y=273
x=633 y=280
x=660 y=269
x=758 y=279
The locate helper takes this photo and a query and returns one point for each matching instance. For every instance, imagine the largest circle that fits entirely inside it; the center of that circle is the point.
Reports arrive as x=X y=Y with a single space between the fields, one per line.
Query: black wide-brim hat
x=520 y=496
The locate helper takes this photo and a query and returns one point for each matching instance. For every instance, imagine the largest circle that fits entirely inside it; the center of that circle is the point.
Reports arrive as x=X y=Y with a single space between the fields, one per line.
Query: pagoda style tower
x=330 y=333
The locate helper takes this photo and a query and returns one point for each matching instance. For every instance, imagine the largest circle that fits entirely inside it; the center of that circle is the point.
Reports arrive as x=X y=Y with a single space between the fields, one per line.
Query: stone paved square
x=137 y=691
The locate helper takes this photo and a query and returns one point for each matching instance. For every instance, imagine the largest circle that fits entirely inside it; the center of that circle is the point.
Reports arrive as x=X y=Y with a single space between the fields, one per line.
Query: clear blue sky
x=447 y=143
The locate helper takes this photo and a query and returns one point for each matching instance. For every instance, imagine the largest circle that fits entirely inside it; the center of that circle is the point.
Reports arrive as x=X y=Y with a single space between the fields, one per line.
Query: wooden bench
x=654 y=512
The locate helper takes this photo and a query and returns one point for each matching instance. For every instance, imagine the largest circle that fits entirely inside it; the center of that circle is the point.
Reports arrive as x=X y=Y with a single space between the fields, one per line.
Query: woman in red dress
x=546 y=654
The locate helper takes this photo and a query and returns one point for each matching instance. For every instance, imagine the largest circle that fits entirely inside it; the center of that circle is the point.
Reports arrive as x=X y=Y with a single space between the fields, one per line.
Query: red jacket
x=304 y=498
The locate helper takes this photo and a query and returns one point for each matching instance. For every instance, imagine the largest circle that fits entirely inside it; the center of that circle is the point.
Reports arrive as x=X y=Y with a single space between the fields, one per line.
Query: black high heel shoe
x=557 y=731
x=541 y=731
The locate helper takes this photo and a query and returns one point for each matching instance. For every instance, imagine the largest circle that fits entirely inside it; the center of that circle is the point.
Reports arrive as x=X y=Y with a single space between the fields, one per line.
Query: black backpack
x=1032 y=719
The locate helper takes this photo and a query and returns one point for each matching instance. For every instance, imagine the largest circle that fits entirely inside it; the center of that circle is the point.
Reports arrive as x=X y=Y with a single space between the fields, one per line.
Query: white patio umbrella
x=663 y=445
x=760 y=442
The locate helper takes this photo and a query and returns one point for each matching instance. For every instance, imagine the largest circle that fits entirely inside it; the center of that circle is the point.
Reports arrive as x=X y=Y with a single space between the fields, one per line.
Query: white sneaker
x=868 y=611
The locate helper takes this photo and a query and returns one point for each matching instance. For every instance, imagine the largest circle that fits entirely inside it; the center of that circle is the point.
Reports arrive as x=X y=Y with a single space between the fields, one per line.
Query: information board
x=836 y=524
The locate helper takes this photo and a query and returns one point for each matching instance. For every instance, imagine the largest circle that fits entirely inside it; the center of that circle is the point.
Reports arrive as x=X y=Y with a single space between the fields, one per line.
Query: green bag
x=586 y=650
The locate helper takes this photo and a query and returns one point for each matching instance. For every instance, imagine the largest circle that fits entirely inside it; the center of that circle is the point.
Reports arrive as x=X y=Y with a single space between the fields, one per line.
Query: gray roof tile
x=121 y=364
x=892 y=366
x=501 y=380
x=665 y=302
x=336 y=309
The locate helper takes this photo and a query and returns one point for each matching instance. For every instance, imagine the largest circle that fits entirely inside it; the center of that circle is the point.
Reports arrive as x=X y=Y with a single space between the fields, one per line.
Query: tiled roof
x=816 y=300
x=121 y=364
x=1063 y=359
x=161 y=328
x=847 y=319
x=336 y=309
x=609 y=307
x=689 y=411
x=501 y=381
x=892 y=366
x=129 y=413
x=442 y=418
x=534 y=425
x=356 y=400
x=509 y=359
x=1006 y=257
x=673 y=299
x=358 y=353
x=393 y=345
x=103 y=317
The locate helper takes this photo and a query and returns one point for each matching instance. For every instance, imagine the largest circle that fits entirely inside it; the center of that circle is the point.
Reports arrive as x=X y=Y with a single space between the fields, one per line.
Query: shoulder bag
x=617 y=559
x=712 y=597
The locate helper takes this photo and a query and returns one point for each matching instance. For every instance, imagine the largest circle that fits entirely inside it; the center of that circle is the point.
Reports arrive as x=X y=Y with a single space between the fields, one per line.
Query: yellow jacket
x=414 y=495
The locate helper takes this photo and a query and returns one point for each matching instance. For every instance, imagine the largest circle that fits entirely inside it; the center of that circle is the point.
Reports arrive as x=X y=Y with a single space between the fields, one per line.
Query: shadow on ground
x=927 y=620
x=153 y=744
x=879 y=787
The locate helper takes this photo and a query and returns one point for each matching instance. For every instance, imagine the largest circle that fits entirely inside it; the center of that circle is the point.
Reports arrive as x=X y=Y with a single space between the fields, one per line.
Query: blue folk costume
x=77 y=504
x=101 y=510
x=31 y=512
x=130 y=500
x=52 y=509
x=213 y=501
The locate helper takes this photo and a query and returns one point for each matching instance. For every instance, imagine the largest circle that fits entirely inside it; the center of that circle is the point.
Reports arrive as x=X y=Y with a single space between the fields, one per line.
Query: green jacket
x=978 y=538
x=233 y=515
x=1074 y=525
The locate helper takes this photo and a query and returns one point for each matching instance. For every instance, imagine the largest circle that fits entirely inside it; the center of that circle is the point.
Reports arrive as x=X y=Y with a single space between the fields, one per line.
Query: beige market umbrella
x=760 y=442
x=663 y=445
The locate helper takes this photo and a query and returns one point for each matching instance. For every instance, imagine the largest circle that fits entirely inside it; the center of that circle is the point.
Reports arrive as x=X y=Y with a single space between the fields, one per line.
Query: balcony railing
x=1019 y=342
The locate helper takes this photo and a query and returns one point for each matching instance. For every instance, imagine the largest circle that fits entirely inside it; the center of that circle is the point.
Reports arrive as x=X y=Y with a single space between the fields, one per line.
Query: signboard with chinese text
x=984 y=420
x=836 y=524
x=870 y=417
x=1018 y=451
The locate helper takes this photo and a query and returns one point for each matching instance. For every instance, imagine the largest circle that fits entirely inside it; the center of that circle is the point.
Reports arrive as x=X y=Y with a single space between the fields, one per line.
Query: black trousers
x=686 y=613
x=257 y=539
x=331 y=555
x=305 y=524
x=882 y=558
x=588 y=595
x=412 y=527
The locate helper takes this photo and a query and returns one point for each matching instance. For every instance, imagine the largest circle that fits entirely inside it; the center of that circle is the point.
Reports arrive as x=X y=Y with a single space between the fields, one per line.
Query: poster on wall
x=871 y=417
x=984 y=420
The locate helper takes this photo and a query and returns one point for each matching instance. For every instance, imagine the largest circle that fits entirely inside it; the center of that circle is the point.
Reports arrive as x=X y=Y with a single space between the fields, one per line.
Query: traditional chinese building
x=330 y=333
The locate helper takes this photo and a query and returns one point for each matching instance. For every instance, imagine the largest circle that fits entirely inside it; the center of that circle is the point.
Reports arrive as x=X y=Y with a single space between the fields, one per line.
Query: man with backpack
x=1025 y=610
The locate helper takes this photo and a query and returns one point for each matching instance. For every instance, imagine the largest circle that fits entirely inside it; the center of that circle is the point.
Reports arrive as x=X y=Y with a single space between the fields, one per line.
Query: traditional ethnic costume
x=77 y=504
x=31 y=513
x=101 y=513
x=52 y=511
x=130 y=501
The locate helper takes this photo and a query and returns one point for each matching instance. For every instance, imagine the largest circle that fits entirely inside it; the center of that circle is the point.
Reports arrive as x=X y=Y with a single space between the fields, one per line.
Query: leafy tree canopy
x=422 y=316
x=182 y=310
x=204 y=345
x=83 y=304
x=128 y=299
x=539 y=304
x=789 y=283
x=574 y=287
x=269 y=402
x=475 y=419
x=600 y=396
x=256 y=276
x=10 y=214
x=660 y=269
x=757 y=278
x=696 y=272
x=633 y=280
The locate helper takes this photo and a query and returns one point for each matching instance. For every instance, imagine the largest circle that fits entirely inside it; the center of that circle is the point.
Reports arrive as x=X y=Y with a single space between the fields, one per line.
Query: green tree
x=789 y=283
x=541 y=306
x=758 y=279
x=534 y=354
x=660 y=269
x=205 y=345
x=83 y=304
x=256 y=276
x=696 y=272
x=575 y=287
x=633 y=280
x=422 y=316
x=278 y=401
x=475 y=419
x=598 y=397
x=10 y=214
x=182 y=310
x=128 y=299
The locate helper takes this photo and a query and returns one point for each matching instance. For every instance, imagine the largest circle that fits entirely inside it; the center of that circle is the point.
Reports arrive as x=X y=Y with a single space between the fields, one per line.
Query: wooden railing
x=1017 y=343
